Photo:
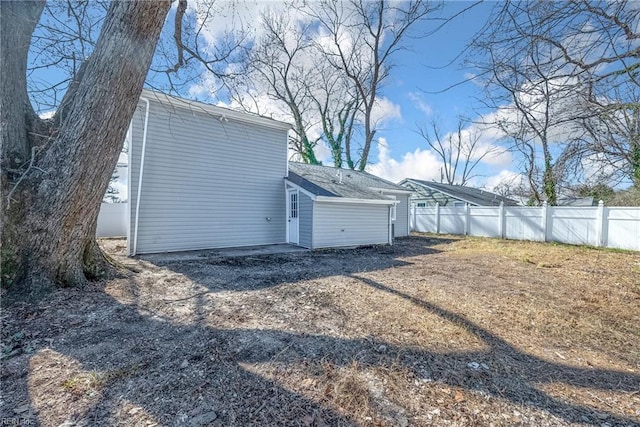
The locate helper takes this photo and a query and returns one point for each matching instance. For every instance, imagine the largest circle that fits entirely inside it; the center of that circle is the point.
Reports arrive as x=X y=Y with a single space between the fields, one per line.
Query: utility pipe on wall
x=144 y=149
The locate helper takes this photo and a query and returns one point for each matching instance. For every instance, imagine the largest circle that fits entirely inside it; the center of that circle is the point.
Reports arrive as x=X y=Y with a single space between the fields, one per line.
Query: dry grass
x=436 y=330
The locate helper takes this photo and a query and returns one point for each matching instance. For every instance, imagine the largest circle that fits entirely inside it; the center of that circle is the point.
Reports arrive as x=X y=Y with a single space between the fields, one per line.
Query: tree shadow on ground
x=153 y=369
x=263 y=271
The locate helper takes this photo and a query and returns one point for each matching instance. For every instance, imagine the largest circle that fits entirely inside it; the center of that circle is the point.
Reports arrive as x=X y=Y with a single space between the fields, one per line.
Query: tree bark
x=51 y=199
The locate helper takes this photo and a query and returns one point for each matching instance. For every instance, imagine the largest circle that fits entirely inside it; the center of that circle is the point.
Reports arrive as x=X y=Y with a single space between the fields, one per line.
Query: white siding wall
x=207 y=183
x=402 y=216
x=305 y=221
x=342 y=224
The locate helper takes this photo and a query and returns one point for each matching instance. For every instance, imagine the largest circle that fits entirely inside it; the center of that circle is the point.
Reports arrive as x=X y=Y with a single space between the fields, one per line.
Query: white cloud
x=506 y=177
x=323 y=153
x=385 y=111
x=419 y=164
x=419 y=103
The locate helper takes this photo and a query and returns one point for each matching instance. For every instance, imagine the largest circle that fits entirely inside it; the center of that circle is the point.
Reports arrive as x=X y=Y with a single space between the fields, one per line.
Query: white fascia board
x=392 y=191
x=325 y=199
x=217 y=112
x=302 y=190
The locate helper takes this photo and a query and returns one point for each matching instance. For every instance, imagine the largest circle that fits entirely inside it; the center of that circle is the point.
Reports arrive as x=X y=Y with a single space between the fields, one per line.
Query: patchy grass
x=437 y=330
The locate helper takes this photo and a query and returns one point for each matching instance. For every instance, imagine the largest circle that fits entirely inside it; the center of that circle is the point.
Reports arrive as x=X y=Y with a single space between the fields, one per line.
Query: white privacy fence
x=112 y=220
x=613 y=227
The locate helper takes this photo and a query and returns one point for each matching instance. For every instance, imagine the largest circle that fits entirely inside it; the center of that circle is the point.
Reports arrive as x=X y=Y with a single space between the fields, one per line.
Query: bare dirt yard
x=436 y=330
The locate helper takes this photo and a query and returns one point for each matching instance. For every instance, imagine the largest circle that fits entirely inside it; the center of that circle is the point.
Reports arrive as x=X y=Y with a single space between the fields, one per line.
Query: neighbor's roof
x=473 y=196
x=214 y=110
x=335 y=182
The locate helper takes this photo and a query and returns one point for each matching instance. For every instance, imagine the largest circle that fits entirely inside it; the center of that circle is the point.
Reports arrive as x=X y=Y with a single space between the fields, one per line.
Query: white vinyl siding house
x=429 y=194
x=340 y=207
x=204 y=177
x=344 y=224
x=209 y=177
x=402 y=210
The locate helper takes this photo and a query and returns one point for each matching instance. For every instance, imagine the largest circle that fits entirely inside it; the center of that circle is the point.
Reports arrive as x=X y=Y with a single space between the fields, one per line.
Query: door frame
x=289 y=192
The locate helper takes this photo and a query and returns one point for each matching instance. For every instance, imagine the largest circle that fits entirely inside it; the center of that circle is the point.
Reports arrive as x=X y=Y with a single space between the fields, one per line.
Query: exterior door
x=293 y=208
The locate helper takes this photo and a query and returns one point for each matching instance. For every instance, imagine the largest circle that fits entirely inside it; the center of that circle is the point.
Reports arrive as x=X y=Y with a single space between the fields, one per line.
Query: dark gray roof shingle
x=471 y=195
x=335 y=182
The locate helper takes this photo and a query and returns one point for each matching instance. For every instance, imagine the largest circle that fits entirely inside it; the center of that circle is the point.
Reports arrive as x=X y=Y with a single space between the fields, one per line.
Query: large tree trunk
x=55 y=172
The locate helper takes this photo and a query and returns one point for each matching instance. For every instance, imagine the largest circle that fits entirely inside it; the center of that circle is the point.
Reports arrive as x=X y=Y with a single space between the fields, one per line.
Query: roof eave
x=197 y=106
x=325 y=199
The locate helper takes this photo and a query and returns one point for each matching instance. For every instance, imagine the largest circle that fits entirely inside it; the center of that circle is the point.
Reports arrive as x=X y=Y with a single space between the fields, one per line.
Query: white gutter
x=144 y=149
x=326 y=199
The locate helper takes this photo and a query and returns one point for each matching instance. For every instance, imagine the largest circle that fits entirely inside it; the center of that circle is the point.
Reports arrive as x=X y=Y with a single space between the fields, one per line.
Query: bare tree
x=55 y=172
x=338 y=105
x=613 y=135
x=571 y=59
x=364 y=38
x=280 y=65
x=66 y=36
x=537 y=98
x=460 y=152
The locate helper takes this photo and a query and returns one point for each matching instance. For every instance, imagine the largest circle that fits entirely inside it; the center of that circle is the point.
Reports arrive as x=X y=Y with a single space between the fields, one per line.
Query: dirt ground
x=436 y=330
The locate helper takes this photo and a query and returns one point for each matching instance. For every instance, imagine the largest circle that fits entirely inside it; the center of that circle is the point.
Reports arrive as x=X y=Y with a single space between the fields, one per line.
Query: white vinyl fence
x=613 y=227
x=112 y=220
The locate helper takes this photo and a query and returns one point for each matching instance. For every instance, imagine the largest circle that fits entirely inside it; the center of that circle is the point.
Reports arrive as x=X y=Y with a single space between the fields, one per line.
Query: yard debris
x=477 y=366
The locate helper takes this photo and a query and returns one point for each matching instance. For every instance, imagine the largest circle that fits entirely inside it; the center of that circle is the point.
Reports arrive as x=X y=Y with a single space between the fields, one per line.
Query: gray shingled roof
x=335 y=182
x=471 y=195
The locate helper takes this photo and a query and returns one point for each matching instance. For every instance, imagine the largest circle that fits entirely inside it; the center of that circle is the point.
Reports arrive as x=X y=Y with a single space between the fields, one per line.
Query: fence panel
x=484 y=221
x=615 y=227
x=576 y=226
x=524 y=223
x=425 y=219
x=452 y=220
x=113 y=220
x=623 y=228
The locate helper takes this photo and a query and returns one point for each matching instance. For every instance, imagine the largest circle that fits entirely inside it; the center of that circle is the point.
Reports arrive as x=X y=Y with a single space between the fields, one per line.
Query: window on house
x=293 y=205
x=422 y=205
x=459 y=204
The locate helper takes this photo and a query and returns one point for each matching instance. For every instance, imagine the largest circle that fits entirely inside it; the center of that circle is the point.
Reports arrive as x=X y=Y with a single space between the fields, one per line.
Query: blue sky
x=418 y=86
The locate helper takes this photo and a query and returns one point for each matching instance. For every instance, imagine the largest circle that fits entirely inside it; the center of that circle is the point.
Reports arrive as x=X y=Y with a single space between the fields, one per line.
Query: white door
x=293 y=211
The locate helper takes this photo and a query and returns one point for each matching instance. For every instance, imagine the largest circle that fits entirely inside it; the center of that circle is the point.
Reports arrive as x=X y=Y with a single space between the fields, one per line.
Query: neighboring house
x=331 y=207
x=577 y=201
x=203 y=177
x=427 y=193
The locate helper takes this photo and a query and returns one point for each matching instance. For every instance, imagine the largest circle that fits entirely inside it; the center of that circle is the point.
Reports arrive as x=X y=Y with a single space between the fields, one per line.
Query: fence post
x=438 y=217
x=600 y=219
x=467 y=219
x=502 y=219
x=545 y=219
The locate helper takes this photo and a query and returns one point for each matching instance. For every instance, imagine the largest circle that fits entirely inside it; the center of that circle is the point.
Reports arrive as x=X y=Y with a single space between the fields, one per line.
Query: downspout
x=144 y=149
x=390 y=238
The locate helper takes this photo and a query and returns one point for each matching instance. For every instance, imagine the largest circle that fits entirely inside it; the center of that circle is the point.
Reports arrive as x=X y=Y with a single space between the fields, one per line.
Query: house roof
x=220 y=113
x=473 y=196
x=328 y=181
